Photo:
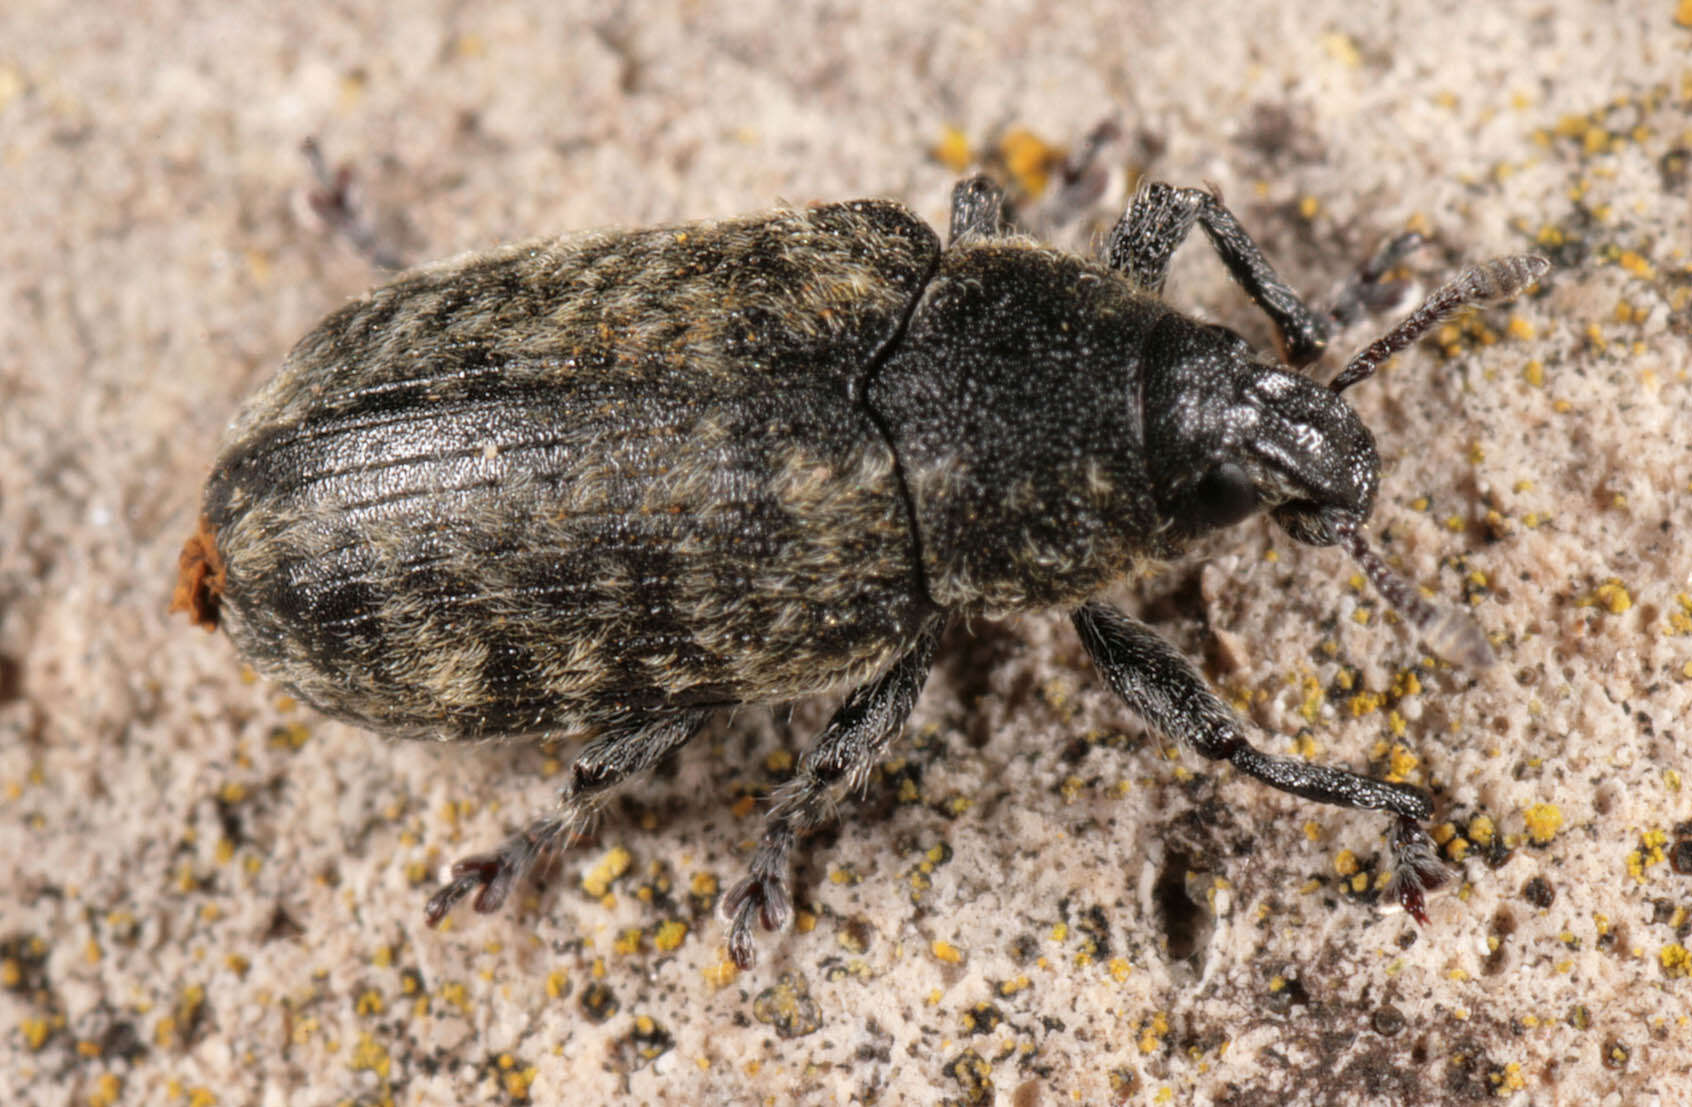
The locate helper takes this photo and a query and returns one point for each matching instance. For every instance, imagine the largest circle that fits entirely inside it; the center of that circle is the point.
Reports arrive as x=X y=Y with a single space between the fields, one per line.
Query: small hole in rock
x=1186 y=924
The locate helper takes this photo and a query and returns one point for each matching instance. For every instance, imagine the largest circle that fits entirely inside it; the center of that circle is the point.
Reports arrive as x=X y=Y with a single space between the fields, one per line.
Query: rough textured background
x=211 y=897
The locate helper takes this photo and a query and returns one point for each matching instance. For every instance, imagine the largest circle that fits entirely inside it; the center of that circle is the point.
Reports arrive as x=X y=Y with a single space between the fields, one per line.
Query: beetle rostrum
x=605 y=485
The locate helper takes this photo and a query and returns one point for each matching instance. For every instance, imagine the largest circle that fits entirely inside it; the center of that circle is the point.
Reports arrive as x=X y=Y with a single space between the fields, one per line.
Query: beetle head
x=1228 y=434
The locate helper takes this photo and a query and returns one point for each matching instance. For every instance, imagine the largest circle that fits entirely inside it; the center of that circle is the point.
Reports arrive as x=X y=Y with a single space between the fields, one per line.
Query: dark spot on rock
x=121 y=1039
x=598 y=1002
x=1387 y=1020
x=787 y=1007
x=646 y=1041
x=974 y=1076
x=983 y=1018
x=1290 y=994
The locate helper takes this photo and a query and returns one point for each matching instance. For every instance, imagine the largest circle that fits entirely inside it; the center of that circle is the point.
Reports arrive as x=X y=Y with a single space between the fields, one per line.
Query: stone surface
x=214 y=897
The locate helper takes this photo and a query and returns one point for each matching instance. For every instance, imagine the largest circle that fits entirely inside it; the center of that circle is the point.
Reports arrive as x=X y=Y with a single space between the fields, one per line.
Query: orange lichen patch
x=200 y=578
x=1030 y=159
x=953 y=150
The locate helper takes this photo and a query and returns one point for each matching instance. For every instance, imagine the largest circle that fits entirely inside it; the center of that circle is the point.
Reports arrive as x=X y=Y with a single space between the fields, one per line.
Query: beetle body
x=603 y=484
x=518 y=492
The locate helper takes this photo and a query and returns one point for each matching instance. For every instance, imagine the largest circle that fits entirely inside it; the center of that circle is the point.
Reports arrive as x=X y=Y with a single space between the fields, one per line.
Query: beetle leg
x=1368 y=291
x=607 y=761
x=336 y=202
x=841 y=757
x=1144 y=239
x=1163 y=688
x=977 y=209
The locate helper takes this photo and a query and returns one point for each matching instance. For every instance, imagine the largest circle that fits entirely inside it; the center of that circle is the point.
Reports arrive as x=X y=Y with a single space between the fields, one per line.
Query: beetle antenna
x=1485 y=283
x=1447 y=631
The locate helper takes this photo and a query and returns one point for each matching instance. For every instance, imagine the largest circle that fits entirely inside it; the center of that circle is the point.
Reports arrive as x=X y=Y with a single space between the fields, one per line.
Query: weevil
x=606 y=485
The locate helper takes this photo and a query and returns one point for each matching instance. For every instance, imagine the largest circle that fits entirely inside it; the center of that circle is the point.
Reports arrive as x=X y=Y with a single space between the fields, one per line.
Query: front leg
x=1144 y=239
x=1163 y=688
x=978 y=209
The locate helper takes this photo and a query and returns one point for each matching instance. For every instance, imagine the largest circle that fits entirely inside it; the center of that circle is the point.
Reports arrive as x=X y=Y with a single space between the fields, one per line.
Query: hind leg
x=841 y=757
x=620 y=752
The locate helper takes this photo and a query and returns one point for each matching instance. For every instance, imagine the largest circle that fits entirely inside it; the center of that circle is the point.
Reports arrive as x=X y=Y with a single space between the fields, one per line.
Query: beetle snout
x=1322 y=458
x=1318 y=512
x=1314 y=524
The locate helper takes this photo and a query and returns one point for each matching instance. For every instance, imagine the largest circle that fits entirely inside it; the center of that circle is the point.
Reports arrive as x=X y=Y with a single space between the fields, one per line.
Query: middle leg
x=841 y=758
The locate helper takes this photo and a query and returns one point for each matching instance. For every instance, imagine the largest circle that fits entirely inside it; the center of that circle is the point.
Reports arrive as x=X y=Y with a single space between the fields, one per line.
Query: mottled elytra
x=605 y=485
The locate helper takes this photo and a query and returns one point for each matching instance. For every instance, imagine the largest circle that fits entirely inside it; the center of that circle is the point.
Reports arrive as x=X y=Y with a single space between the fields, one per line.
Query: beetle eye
x=1221 y=498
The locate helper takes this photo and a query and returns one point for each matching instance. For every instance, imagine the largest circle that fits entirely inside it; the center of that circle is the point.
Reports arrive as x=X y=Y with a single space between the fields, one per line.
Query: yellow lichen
x=669 y=935
x=1544 y=820
x=597 y=880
